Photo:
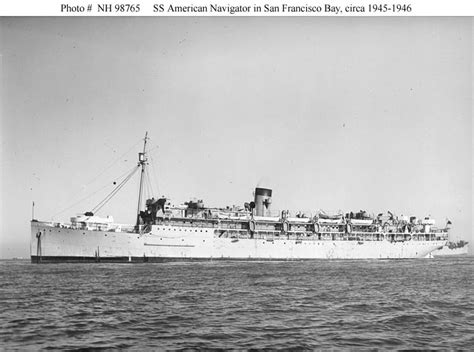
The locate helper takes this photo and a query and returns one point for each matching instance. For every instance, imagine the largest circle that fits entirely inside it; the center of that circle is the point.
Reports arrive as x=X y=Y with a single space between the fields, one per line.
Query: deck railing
x=241 y=230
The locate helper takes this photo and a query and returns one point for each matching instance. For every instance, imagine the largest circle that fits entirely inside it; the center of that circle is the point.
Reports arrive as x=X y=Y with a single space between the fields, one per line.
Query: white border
x=53 y=7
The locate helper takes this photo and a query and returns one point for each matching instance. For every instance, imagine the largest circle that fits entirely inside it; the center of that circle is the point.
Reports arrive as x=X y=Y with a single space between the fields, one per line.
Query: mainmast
x=142 y=159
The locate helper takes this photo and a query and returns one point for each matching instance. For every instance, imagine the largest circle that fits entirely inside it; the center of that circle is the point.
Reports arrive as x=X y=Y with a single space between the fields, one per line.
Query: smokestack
x=263 y=201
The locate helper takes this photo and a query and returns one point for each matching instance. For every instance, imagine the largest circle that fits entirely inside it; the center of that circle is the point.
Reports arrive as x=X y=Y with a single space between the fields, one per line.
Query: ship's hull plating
x=166 y=243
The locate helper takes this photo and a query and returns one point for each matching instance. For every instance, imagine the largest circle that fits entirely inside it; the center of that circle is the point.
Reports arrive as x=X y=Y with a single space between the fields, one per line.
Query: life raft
x=252 y=226
x=285 y=226
x=348 y=228
x=316 y=227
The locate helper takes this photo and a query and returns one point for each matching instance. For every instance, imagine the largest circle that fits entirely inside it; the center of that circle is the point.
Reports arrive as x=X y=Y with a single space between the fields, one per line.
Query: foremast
x=142 y=161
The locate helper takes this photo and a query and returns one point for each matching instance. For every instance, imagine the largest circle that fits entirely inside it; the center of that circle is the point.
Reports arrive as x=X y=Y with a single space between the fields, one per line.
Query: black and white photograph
x=236 y=183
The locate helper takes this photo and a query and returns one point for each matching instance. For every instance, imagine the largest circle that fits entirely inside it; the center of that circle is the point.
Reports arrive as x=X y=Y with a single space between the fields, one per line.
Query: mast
x=142 y=159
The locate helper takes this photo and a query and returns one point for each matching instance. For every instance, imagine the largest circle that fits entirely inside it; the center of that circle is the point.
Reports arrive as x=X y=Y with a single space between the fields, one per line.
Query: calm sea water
x=393 y=304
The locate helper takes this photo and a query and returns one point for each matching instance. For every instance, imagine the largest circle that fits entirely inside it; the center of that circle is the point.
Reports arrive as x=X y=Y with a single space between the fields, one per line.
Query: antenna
x=142 y=159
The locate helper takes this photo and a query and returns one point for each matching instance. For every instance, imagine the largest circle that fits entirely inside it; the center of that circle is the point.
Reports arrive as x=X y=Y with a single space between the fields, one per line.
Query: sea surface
x=374 y=304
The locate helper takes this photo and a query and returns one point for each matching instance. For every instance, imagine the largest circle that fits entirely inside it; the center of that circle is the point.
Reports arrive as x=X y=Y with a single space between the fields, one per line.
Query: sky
x=331 y=113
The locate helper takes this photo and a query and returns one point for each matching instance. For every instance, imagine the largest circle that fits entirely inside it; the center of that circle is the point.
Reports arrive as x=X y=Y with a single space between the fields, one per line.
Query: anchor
x=38 y=247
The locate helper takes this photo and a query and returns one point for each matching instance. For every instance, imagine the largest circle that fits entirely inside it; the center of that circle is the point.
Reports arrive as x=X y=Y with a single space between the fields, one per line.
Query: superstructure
x=192 y=231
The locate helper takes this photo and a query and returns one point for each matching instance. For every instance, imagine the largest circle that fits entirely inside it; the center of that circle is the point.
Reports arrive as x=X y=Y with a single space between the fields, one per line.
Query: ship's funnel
x=263 y=201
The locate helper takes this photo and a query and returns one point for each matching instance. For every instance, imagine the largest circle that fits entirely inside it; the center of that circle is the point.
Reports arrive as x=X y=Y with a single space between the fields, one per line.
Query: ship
x=453 y=249
x=191 y=231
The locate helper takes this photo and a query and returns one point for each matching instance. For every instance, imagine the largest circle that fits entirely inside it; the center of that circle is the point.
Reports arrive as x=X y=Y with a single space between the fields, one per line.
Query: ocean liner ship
x=191 y=231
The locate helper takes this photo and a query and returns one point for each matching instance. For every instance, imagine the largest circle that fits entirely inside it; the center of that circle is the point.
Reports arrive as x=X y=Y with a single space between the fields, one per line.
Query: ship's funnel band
x=263 y=200
x=263 y=192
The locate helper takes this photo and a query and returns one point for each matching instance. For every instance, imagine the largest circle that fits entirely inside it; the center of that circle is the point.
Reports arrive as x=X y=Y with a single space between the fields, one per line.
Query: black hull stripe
x=169 y=245
x=64 y=259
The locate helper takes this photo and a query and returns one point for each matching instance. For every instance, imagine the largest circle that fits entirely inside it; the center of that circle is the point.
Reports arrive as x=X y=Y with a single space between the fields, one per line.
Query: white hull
x=189 y=243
